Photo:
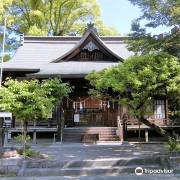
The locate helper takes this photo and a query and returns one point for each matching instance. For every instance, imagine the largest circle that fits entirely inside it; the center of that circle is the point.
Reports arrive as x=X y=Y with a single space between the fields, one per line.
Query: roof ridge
x=29 y=36
x=66 y=38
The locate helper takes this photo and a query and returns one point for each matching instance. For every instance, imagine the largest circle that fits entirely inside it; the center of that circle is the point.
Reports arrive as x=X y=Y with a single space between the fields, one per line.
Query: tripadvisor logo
x=139 y=171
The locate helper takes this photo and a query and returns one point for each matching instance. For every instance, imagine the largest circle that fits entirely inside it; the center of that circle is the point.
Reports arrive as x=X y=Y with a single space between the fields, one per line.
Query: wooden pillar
x=34 y=137
x=119 y=126
x=166 y=108
x=13 y=122
x=124 y=126
x=146 y=136
x=139 y=131
x=120 y=129
x=177 y=137
x=5 y=136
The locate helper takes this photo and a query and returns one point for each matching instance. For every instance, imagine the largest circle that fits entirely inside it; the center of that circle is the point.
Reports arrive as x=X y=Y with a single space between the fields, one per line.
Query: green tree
x=138 y=80
x=4 y=5
x=142 y=42
x=156 y=13
x=31 y=100
x=52 y=17
x=49 y=17
x=159 y=12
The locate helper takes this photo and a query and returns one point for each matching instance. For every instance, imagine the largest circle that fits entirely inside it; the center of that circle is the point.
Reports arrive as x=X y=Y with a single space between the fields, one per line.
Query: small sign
x=76 y=118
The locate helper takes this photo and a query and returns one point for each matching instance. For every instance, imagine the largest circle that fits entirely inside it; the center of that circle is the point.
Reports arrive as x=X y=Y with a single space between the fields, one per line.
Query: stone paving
x=78 y=151
x=123 y=177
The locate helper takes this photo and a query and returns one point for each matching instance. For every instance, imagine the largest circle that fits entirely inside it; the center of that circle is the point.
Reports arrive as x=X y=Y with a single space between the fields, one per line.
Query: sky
x=120 y=13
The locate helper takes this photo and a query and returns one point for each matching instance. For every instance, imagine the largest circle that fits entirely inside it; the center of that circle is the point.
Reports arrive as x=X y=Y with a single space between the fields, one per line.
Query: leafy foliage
x=28 y=152
x=53 y=17
x=156 y=13
x=173 y=145
x=31 y=100
x=138 y=80
x=143 y=43
x=48 y=17
x=159 y=12
x=20 y=138
x=4 y=5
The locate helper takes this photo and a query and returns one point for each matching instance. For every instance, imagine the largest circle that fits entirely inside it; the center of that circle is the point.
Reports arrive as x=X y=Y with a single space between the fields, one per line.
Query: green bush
x=173 y=145
x=28 y=152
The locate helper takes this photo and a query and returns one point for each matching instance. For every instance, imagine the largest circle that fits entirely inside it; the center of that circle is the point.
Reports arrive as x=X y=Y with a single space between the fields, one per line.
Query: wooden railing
x=160 y=122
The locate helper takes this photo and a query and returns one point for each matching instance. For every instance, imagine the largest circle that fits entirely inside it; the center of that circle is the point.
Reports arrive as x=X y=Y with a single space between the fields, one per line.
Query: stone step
x=79 y=139
x=72 y=137
x=83 y=171
x=92 y=132
x=72 y=140
x=100 y=135
x=123 y=161
x=89 y=129
x=109 y=139
x=89 y=132
x=108 y=135
x=76 y=134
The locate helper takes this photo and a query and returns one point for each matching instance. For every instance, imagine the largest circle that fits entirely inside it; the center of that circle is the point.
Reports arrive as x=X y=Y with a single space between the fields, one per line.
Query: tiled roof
x=72 y=69
x=38 y=52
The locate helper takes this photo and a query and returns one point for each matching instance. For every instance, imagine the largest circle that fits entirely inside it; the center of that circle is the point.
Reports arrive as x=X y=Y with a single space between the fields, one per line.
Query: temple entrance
x=90 y=117
x=88 y=112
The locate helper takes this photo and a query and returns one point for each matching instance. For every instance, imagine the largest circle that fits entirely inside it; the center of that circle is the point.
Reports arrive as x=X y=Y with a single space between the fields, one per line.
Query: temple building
x=71 y=58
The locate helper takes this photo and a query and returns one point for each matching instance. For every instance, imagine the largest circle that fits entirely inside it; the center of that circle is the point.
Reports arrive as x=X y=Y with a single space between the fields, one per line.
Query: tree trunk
x=24 y=135
x=124 y=127
x=34 y=133
x=158 y=129
x=1 y=136
x=60 y=122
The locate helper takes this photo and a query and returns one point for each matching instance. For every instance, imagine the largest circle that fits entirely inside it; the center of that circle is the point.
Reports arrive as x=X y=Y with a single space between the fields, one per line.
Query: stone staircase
x=104 y=134
x=96 y=167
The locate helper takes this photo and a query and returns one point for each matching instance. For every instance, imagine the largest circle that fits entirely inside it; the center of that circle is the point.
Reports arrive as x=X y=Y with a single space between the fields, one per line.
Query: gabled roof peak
x=90 y=27
x=90 y=40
